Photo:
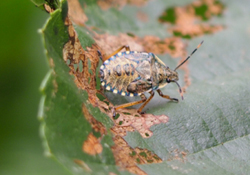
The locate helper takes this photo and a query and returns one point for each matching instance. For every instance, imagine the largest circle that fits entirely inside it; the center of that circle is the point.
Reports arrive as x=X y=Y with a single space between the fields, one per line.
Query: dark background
x=22 y=68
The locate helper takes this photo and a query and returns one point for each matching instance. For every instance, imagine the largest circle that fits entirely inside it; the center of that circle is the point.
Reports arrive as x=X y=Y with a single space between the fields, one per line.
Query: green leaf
x=207 y=133
x=66 y=131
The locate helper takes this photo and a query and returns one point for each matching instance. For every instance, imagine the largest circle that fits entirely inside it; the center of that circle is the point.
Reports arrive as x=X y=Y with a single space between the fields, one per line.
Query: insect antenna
x=180 y=90
x=189 y=56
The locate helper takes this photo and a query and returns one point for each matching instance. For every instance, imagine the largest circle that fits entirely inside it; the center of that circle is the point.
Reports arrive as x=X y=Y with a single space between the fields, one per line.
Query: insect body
x=133 y=73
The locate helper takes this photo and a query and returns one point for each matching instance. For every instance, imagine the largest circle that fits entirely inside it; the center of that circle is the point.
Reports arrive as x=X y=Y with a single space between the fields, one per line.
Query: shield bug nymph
x=133 y=73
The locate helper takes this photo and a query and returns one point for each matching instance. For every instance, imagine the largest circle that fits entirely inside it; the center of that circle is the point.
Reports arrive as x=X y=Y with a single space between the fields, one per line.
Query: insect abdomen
x=118 y=72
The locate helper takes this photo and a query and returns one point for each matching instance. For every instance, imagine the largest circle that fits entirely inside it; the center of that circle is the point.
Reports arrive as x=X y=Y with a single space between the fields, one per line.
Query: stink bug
x=133 y=73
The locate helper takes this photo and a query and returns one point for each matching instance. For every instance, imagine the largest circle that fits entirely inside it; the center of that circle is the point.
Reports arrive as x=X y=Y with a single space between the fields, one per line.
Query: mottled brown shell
x=120 y=70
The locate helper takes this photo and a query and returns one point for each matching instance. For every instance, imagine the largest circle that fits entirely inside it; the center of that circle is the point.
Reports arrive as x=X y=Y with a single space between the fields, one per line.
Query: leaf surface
x=207 y=133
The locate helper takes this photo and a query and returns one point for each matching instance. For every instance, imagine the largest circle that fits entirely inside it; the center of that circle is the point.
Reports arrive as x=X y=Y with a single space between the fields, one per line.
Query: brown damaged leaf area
x=78 y=61
x=125 y=156
x=187 y=20
x=76 y=13
x=172 y=45
x=140 y=123
x=128 y=158
x=48 y=8
x=92 y=145
x=73 y=55
x=83 y=65
x=107 y=4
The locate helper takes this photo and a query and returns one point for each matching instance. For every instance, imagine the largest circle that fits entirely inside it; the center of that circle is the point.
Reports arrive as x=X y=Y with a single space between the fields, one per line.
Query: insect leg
x=143 y=99
x=146 y=102
x=166 y=96
x=115 y=52
x=100 y=54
